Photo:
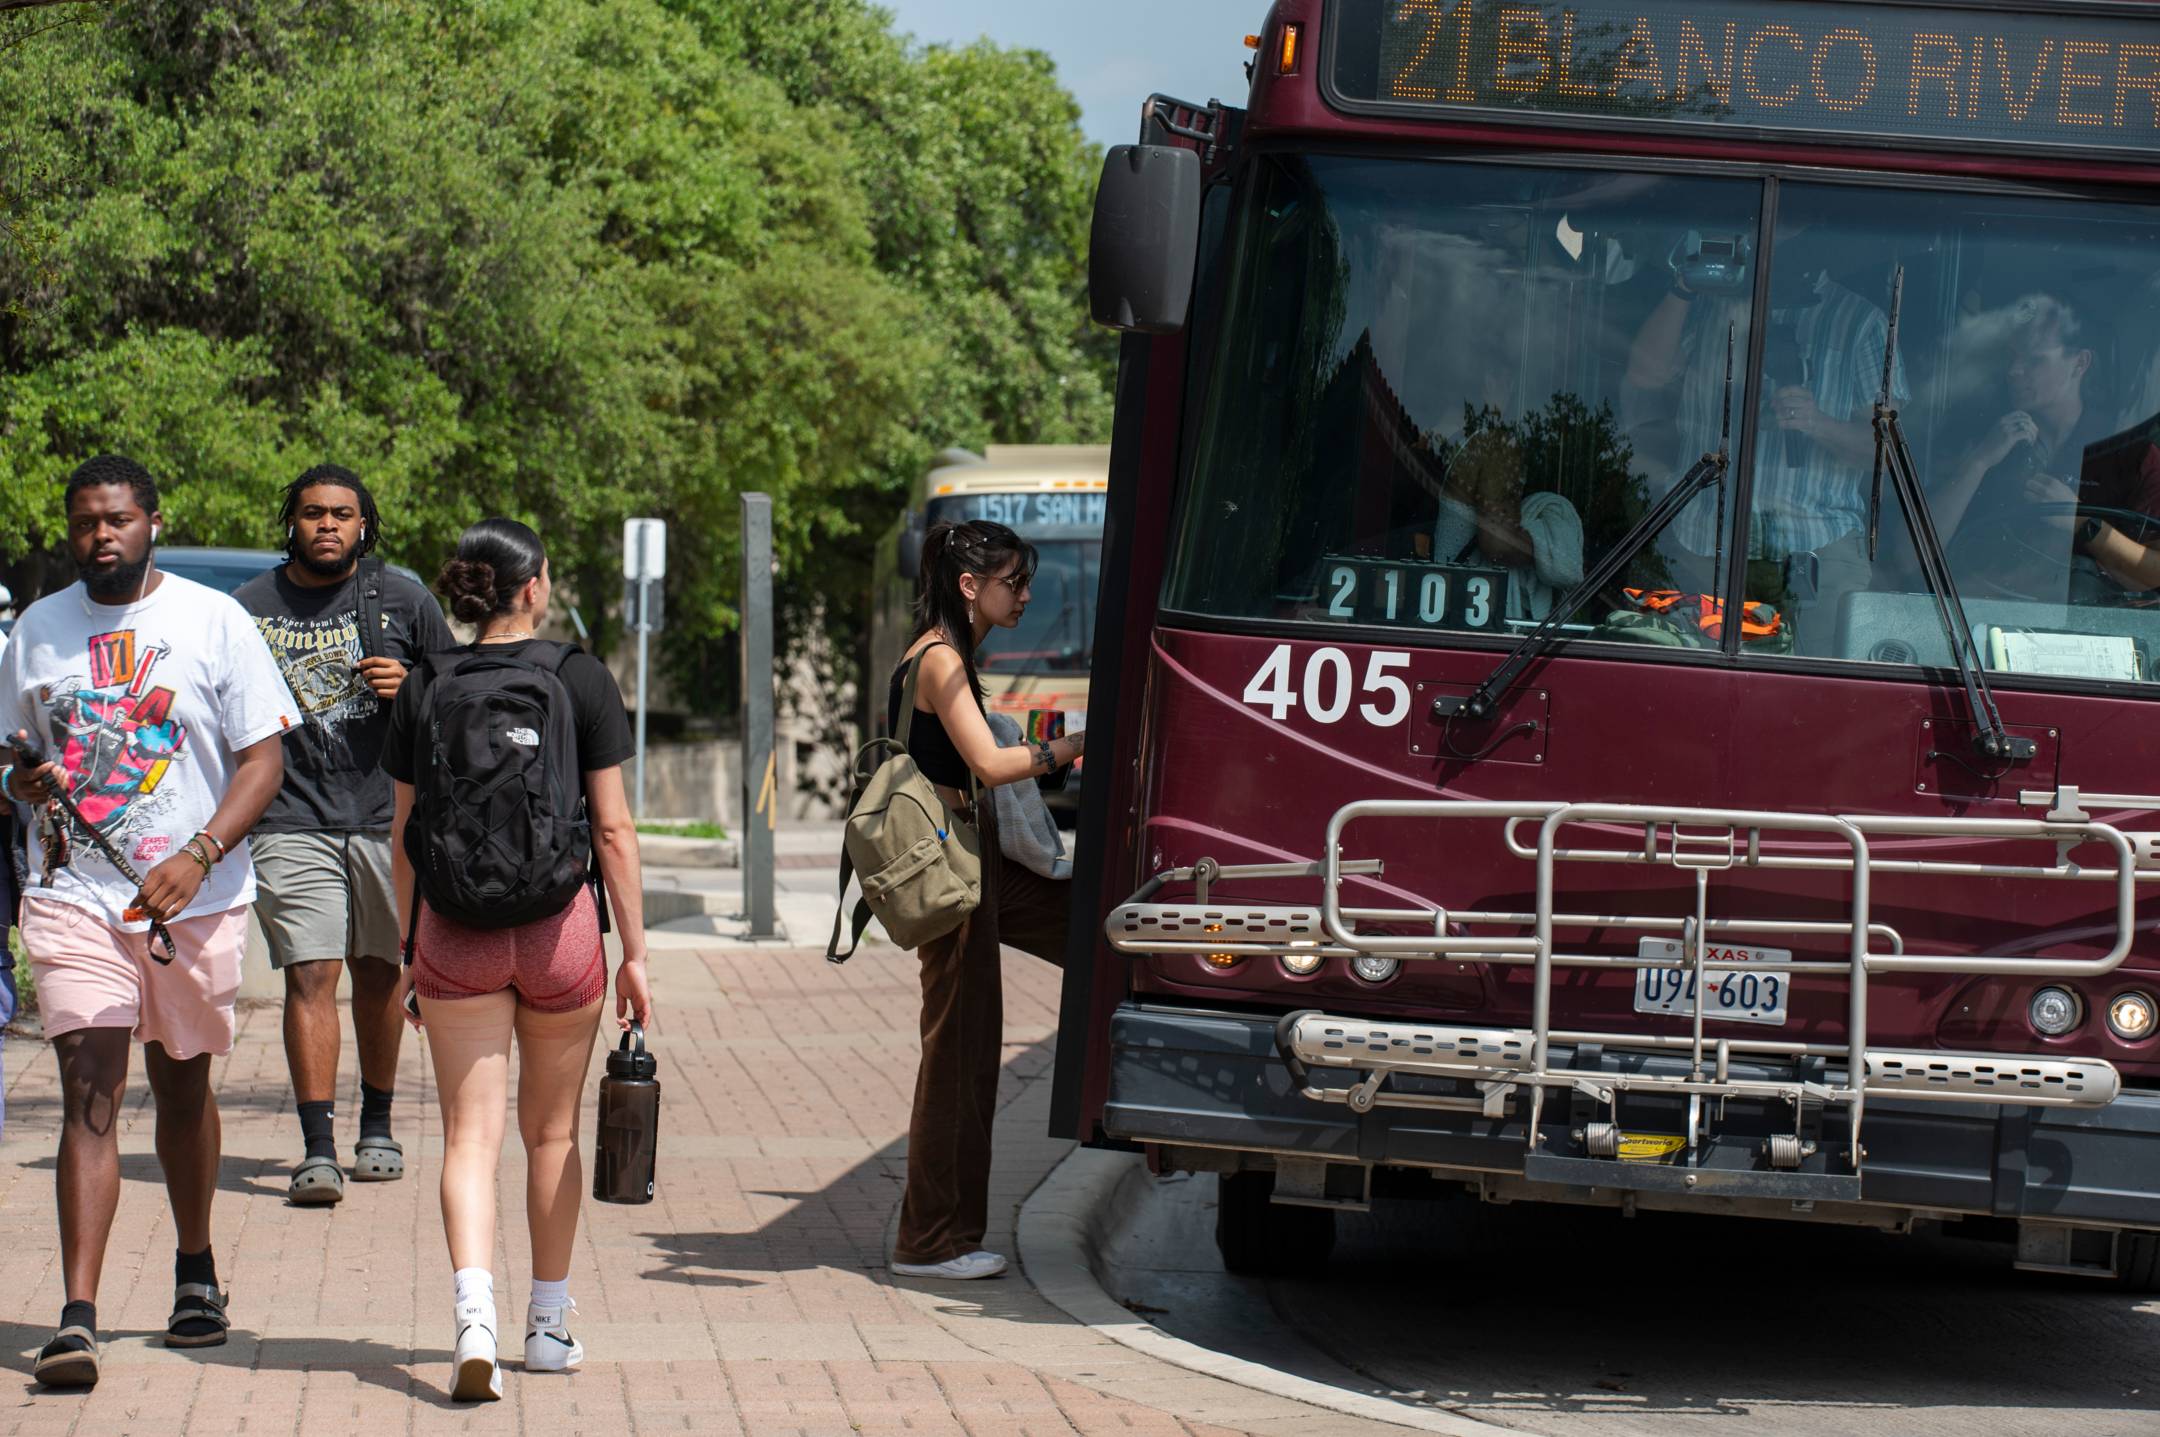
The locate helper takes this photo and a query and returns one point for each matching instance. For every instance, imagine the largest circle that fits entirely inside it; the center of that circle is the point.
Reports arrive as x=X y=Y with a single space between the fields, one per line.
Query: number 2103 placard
x=1358 y=590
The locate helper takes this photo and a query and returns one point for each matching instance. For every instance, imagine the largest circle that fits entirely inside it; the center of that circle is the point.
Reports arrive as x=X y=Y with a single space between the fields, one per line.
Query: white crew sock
x=550 y=1294
x=475 y=1284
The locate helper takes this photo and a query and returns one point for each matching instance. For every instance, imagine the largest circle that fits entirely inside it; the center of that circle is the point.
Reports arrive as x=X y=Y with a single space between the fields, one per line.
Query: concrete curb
x=670 y=851
x=1064 y=1227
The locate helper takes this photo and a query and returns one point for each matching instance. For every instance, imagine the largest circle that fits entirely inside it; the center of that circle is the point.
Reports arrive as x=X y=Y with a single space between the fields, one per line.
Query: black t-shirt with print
x=603 y=727
x=333 y=759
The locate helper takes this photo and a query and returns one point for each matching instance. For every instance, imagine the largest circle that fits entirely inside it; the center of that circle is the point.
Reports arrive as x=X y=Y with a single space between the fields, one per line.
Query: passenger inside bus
x=1486 y=519
x=1815 y=449
x=2042 y=490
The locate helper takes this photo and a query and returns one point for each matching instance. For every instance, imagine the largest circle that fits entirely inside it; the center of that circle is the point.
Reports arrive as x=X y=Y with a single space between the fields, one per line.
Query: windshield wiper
x=1992 y=740
x=1708 y=470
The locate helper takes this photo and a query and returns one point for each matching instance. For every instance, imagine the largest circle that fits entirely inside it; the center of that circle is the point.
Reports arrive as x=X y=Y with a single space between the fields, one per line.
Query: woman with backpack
x=974 y=578
x=504 y=928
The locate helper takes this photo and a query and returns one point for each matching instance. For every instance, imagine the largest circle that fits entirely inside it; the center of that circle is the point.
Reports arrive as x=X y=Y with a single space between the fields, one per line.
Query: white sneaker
x=964 y=1268
x=474 y=1375
x=549 y=1347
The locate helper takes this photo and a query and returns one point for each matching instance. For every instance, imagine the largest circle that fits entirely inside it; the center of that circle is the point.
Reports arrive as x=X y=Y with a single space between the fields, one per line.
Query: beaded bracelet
x=7 y=776
x=216 y=842
x=195 y=851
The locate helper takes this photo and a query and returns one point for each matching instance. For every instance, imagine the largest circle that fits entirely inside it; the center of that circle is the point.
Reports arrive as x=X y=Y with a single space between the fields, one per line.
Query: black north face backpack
x=498 y=835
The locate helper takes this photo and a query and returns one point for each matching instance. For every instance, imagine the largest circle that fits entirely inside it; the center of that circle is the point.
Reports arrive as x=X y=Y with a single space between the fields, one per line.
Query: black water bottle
x=629 y=1123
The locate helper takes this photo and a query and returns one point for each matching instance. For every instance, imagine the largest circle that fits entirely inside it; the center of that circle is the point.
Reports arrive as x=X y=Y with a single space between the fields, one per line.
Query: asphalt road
x=1579 y=1322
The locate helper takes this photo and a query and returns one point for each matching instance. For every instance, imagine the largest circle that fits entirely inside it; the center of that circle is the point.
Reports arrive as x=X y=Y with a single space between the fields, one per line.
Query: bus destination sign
x=1051 y=509
x=1864 y=71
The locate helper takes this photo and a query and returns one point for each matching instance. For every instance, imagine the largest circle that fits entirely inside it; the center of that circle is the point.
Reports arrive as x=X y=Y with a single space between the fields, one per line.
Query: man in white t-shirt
x=154 y=704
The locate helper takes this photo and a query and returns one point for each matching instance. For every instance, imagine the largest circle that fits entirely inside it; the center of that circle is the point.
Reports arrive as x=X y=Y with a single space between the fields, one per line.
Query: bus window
x=1433 y=405
x=2029 y=341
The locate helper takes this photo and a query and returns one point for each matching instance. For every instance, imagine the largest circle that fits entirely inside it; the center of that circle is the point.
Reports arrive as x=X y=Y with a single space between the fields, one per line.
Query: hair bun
x=469 y=585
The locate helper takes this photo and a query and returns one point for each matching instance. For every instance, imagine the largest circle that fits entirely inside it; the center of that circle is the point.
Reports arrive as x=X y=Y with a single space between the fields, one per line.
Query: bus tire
x=1260 y=1238
x=2137 y=1261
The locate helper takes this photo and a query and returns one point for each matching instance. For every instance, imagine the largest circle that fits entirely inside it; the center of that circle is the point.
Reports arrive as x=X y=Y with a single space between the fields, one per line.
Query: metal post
x=644 y=635
x=761 y=803
x=644 y=566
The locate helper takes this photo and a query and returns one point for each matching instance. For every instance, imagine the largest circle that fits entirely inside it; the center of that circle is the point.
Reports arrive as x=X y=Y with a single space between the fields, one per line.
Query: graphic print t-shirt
x=333 y=775
x=145 y=707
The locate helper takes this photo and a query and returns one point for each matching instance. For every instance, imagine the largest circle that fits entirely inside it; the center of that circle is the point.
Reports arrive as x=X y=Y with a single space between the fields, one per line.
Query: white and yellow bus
x=1052 y=496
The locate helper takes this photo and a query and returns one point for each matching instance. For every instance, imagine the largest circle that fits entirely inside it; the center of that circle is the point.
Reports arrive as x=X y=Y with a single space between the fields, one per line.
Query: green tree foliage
x=569 y=260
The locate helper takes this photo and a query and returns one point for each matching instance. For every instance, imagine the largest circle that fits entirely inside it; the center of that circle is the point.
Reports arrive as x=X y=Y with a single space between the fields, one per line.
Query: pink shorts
x=93 y=975
x=555 y=965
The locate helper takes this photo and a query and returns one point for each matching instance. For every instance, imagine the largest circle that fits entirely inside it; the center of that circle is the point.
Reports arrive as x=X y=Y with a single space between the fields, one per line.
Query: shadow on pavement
x=1580 y=1320
x=845 y=1223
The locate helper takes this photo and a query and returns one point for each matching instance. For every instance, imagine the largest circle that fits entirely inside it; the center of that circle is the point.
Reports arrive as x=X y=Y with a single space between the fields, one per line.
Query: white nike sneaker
x=549 y=1347
x=964 y=1268
x=474 y=1375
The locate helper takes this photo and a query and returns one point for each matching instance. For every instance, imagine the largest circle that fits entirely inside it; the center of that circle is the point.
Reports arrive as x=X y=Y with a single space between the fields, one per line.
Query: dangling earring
x=971 y=613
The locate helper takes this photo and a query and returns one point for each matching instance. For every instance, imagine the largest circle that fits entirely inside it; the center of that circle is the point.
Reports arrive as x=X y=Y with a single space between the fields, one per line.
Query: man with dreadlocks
x=344 y=630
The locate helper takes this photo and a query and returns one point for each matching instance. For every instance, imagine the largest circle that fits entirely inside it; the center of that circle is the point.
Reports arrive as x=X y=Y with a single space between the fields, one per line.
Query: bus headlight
x=1374 y=969
x=2054 y=1011
x=1302 y=965
x=2130 y=1016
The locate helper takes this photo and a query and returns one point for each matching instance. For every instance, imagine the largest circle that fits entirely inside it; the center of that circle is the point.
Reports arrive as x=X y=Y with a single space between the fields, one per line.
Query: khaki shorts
x=325 y=896
x=93 y=975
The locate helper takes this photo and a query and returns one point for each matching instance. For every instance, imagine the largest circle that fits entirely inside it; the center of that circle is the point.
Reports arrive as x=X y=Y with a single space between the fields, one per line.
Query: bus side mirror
x=1145 y=239
x=911 y=542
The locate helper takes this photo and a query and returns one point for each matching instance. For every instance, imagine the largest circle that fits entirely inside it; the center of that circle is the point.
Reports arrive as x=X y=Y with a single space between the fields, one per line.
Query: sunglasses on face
x=1017 y=583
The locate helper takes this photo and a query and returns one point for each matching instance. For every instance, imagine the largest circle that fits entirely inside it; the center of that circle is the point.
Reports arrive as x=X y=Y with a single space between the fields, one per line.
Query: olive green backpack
x=921 y=863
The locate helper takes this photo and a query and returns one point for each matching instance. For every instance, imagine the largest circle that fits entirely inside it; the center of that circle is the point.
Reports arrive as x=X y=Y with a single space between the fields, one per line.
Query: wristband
x=215 y=842
x=7 y=778
x=194 y=850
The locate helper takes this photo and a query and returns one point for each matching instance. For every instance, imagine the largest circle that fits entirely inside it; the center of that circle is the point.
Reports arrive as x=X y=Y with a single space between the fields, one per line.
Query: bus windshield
x=1056 y=633
x=1443 y=390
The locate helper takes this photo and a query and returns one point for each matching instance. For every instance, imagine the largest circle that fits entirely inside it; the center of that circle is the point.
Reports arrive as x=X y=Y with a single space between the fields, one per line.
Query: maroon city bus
x=1629 y=647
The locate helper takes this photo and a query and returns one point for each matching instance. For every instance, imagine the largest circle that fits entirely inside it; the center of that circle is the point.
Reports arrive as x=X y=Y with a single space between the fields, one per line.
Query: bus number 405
x=1327 y=692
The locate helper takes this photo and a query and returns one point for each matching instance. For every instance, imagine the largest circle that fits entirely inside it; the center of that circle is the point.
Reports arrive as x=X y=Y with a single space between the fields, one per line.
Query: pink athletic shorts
x=555 y=965
x=93 y=975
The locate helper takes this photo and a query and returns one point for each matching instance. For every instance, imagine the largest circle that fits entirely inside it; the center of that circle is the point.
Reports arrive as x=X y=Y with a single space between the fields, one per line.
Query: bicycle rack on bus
x=1498 y=1065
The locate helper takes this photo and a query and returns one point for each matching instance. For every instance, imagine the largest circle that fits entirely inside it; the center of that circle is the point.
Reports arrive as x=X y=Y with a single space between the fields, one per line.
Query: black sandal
x=69 y=1360
x=198 y=1318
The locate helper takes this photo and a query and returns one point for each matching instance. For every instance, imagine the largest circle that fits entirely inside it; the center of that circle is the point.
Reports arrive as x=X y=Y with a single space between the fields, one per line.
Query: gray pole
x=761 y=800
x=644 y=634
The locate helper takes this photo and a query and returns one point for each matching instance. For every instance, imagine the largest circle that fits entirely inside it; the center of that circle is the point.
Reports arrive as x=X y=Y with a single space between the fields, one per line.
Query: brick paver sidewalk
x=751 y=1297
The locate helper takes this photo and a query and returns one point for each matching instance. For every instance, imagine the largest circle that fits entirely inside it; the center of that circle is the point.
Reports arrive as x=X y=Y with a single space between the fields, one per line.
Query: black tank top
x=928 y=743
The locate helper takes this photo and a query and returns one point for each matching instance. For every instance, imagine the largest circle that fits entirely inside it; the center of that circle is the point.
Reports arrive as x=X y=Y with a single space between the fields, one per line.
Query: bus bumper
x=1188 y=1078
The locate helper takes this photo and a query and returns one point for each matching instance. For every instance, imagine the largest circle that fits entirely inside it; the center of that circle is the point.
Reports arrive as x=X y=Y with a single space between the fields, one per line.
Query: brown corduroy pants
x=946 y=1208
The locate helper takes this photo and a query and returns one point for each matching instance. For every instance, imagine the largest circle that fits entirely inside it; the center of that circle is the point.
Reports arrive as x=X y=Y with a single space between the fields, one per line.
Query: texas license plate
x=1730 y=994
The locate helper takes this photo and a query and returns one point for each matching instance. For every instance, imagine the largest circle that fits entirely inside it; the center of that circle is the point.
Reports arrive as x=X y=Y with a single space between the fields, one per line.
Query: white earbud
x=154 y=532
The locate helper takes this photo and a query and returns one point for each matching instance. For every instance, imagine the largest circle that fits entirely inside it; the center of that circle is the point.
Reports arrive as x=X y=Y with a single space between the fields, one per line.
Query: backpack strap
x=371 y=573
x=592 y=876
x=907 y=694
x=857 y=922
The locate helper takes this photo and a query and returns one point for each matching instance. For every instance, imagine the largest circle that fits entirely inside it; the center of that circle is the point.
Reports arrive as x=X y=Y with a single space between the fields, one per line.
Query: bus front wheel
x=1262 y=1238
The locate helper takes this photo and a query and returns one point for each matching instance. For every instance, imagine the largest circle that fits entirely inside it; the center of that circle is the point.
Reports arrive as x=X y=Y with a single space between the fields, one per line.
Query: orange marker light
x=1290 y=34
x=1252 y=42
